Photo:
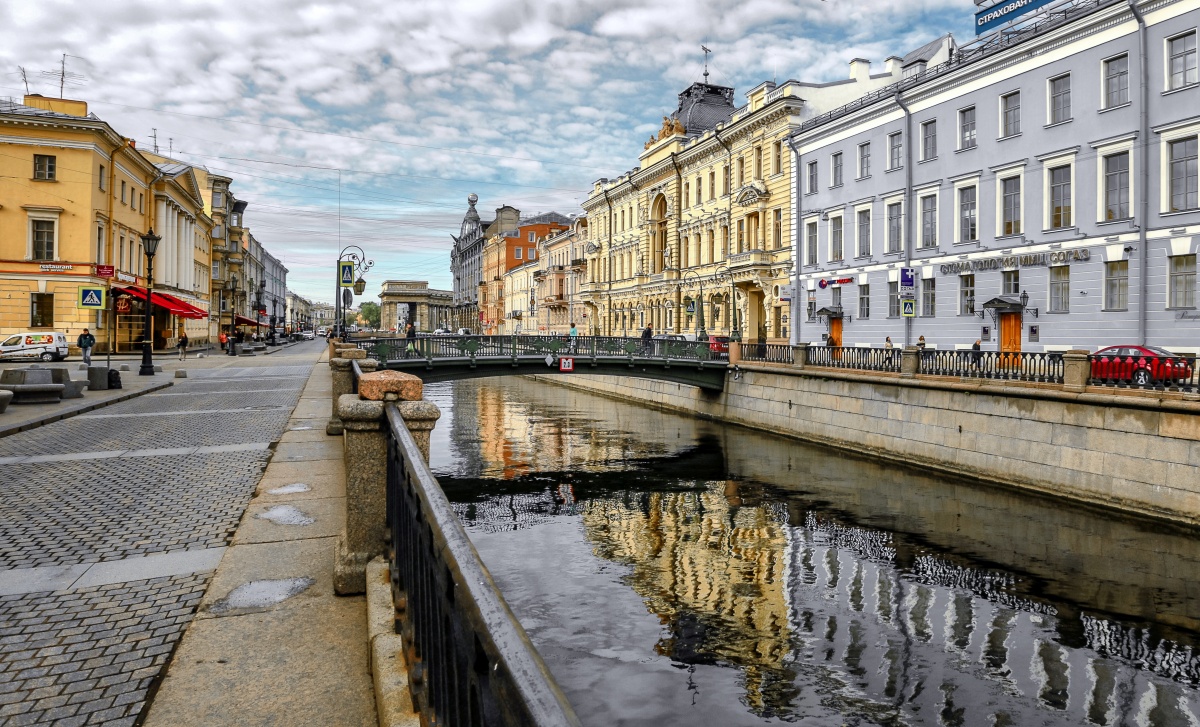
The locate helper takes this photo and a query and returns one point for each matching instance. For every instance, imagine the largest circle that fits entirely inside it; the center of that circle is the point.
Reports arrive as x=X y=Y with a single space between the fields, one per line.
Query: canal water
x=673 y=571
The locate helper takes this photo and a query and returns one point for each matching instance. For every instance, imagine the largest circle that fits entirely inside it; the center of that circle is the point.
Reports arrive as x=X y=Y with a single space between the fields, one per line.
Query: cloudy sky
x=401 y=109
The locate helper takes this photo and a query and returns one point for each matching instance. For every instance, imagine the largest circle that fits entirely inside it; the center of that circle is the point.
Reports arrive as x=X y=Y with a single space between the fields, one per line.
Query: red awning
x=166 y=302
x=244 y=321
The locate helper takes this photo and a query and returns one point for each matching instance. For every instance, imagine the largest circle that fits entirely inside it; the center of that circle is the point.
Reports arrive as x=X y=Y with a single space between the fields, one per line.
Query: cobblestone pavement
x=169 y=472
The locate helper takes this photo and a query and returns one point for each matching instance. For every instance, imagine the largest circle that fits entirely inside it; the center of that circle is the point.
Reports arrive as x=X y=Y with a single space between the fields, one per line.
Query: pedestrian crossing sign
x=91 y=298
x=908 y=308
x=346 y=273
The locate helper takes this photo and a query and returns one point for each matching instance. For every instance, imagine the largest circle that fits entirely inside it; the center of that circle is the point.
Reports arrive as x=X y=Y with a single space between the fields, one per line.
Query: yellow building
x=708 y=207
x=76 y=196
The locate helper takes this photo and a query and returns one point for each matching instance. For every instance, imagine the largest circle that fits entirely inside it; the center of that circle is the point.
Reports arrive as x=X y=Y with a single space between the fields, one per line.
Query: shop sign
x=126 y=278
x=1033 y=259
x=124 y=304
x=1005 y=12
x=824 y=283
x=1187 y=315
x=105 y=271
x=55 y=268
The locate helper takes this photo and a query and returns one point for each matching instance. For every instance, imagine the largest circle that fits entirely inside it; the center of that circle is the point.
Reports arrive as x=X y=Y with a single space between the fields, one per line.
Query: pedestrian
x=224 y=339
x=921 y=343
x=85 y=342
x=410 y=334
x=183 y=344
x=977 y=352
x=573 y=333
x=887 y=343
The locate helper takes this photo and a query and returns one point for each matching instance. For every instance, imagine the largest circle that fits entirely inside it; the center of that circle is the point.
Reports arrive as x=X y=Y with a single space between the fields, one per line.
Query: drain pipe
x=608 y=228
x=796 y=241
x=1143 y=218
x=909 y=230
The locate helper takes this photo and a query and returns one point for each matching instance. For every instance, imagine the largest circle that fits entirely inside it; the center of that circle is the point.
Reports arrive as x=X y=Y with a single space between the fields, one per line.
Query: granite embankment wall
x=1136 y=452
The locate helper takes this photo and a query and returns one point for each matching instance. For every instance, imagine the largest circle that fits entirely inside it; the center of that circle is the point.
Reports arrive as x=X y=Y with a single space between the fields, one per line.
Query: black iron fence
x=470 y=662
x=855 y=357
x=1160 y=373
x=436 y=347
x=1001 y=365
x=767 y=353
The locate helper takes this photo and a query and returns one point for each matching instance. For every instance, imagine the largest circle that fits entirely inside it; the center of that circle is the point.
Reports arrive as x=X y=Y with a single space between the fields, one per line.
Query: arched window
x=658 y=234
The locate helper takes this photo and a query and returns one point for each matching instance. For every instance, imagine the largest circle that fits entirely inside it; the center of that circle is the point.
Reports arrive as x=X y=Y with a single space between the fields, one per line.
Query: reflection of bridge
x=448 y=358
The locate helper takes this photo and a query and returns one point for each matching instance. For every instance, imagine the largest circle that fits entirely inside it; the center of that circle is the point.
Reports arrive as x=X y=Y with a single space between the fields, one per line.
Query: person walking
x=410 y=335
x=573 y=333
x=977 y=352
x=183 y=344
x=85 y=342
x=647 y=335
x=223 y=339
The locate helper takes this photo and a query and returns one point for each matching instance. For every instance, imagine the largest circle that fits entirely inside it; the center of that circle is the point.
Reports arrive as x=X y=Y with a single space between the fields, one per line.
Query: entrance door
x=1010 y=338
x=835 y=336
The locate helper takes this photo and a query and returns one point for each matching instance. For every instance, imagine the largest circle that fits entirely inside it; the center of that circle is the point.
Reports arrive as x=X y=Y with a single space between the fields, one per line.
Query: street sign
x=566 y=364
x=105 y=271
x=347 y=298
x=908 y=308
x=908 y=278
x=92 y=298
x=346 y=273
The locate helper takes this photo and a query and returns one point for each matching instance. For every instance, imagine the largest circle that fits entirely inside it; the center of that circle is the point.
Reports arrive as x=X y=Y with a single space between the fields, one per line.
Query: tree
x=369 y=311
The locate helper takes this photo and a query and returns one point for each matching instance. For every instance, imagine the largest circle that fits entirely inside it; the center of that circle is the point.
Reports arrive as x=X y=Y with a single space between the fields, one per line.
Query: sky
x=369 y=122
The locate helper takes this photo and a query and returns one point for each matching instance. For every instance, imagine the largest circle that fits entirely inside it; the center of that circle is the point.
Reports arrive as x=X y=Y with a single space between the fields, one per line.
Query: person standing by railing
x=647 y=335
x=410 y=336
x=977 y=353
x=573 y=333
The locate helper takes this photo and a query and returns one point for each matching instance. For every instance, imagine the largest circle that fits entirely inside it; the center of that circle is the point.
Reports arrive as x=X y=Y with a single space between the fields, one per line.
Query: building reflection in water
x=834 y=586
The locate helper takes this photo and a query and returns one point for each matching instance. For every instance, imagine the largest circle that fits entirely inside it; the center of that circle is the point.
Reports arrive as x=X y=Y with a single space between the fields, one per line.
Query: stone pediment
x=752 y=194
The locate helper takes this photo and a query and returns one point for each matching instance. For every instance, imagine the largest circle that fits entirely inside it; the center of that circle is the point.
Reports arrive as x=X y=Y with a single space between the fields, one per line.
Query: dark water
x=679 y=572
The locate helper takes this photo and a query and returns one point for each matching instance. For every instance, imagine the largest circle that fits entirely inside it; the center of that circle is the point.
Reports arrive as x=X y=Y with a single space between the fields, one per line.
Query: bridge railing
x=1003 y=365
x=470 y=662
x=438 y=347
x=857 y=358
x=768 y=353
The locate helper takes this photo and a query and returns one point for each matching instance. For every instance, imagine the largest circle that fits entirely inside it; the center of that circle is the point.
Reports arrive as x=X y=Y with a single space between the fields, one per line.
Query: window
x=836 y=161
x=928 y=140
x=532 y=253
x=778 y=229
x=864 y=233
x=1060 y=289
x=929 y=221
x=141 y=202
x=894 y=299
x=1010 y=114
x=517 y=253
x=102 y=177
x=1116 y=186
x=893 y=227
x=758 y=167
x=218 y=200
x=725 y=182
x=687 y=194
x=1116 y=285
x=1010 y=282
x=966 y=128
x=41 y=310
x=1182 y=59
x=966 y=295
x=121 y=254
x=864 y=301
x=1011 y=206
x=864 y=160
x=122 y=191
x=895 y=151
x=741 y=235
x=99 y=245
x=43 y=239
x=929 y=297
x=1183 y=174
x=1183 y=281
x=1060 y=99
x=699 y=190
x=1116 y=82
x=968 y=220
x=777 y=158
x=45 y=166
x=810 y=235
x=532 y=236
x=812 y=177
x=712 y=184
x=835 y=238
x=1060 y=197
x=741 y=172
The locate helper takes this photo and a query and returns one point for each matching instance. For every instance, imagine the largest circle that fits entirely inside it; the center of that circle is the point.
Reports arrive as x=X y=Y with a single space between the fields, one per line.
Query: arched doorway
x=658 y=233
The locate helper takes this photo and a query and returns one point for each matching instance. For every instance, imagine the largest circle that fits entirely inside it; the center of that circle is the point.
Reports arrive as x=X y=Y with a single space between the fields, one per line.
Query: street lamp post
x=231 y=284
x=355 y=255
x=734 y=333
x=691 y=276
x=150 y=245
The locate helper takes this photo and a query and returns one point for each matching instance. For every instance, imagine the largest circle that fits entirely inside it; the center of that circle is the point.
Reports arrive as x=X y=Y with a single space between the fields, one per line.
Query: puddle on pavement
x=260 y=594
x=291 y=489
x=298 y=429
x=285 y=515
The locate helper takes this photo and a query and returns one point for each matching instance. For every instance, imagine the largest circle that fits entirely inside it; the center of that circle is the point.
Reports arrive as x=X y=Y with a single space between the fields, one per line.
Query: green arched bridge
x=448 y=358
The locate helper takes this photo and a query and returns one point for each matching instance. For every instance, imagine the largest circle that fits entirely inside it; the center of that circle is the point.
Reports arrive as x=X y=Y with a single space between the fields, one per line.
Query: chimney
x=860 y=69
x=892 y=66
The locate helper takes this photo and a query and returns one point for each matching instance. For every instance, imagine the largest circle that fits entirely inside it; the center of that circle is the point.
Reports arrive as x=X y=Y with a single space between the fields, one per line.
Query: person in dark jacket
x=410 y=335
x=183 y=344
x=647 y=335
x=85 y=342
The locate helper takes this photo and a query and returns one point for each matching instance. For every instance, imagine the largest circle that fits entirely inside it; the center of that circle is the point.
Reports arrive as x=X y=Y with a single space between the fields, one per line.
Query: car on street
x=307 y=335
x=34 y=344
x=464 y=331
x=440 y=332
x=669 y=337
x=719 y=345
x=1140 y=365
x=322 y=331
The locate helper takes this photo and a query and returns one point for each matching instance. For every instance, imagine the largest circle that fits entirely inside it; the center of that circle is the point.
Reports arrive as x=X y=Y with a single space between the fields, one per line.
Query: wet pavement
x=679 y=572
x=111 y=524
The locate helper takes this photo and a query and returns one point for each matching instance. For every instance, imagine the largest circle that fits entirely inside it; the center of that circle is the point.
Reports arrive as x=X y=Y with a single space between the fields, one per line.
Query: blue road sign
x=91 y=297
x=908 y=278
x=908 y=308
x=346 y=273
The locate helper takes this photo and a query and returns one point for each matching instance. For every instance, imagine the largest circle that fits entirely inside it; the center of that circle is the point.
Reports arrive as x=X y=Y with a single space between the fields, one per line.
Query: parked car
x=307 y=335
x=34 y=344
x=323 y=331
x=440 y=332
x=719 y=345
x=669 y=337
x=1140 y=365
x=464 y=331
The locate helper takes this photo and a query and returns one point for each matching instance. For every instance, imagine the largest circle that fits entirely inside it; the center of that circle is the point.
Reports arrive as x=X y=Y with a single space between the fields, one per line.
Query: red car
x=719 y=345
x=1140 y=365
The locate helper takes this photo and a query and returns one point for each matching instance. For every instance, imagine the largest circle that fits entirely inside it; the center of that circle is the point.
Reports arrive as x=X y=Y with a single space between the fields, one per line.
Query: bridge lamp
x=360 y=285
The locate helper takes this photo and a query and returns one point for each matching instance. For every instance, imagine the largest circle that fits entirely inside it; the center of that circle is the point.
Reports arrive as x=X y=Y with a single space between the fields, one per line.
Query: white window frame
x=1167 y=59
x=1104 y=82
x=897 y=136
x=1050 y=100
x=829 y=239
x=1165 y=138
x=925 y=155
x=888 y=202
x=864 y=173
x=816 y=241
x=1065 y=160
x=1009 y=173
x=1100 y=151
x=959 y=128
x=921 y=195
x=837 y=172
x=960 y=184
x=811 y=177
x=1000 y=109
x=518 y=253
x=869 y=209
x=42 y=214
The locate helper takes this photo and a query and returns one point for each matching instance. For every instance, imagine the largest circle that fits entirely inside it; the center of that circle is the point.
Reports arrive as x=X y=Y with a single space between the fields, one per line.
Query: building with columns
x=412 y=301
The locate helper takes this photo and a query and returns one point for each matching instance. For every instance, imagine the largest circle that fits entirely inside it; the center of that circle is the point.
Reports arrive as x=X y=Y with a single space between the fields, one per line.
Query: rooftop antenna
x=154 y=139
x=170 y=146
x=25 y=78
x=706 y=52
x=65 y=77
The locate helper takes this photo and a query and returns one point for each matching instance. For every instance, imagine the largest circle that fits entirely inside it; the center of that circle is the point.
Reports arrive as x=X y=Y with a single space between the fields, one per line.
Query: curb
x=389 y=670
x=79 y=409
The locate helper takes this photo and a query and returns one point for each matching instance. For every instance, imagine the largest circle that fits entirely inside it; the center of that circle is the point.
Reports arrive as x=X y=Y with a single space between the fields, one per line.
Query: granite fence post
x=343 y=383
x=735 y=352
x=800 y=355
x=910 y=362
x=1076 y=370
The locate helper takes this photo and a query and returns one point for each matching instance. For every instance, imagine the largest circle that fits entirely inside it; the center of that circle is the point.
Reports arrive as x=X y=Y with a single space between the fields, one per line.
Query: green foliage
x=369 y=311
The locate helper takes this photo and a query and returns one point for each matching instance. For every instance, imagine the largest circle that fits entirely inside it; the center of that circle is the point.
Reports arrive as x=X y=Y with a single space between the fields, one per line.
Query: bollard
x=1076 y=369
x=800 y=355
x=910 y=362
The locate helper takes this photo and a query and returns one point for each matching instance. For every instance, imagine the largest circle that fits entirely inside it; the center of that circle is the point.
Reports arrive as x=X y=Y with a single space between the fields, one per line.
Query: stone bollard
x=910 y=362
x=735 y=352
x=800 y=355
x=343 y=383
x=1076 y=369
x=365 y=451
x=97 y=378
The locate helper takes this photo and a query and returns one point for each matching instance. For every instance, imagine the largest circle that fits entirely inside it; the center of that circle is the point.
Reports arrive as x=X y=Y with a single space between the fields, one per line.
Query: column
x=160 y=217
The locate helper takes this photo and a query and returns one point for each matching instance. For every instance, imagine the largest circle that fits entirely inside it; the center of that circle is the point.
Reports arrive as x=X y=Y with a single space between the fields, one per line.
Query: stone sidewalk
x=271 y=643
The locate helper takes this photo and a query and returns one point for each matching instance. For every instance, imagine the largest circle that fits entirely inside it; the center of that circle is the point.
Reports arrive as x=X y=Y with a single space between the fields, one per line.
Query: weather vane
x=706 y=52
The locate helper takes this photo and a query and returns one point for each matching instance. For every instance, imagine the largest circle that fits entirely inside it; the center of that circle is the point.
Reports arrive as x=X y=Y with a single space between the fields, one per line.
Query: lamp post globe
x=150 y=245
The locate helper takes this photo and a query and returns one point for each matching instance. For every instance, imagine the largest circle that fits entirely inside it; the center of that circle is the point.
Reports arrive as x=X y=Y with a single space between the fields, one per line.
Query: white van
x=46 y=346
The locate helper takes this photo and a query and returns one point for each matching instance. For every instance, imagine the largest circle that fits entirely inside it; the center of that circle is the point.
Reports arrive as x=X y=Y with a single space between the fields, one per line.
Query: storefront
x=167 y=314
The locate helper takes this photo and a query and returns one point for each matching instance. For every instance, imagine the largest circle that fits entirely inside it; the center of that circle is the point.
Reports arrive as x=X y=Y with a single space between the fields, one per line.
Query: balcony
x=750 y=260
x=554 y=301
